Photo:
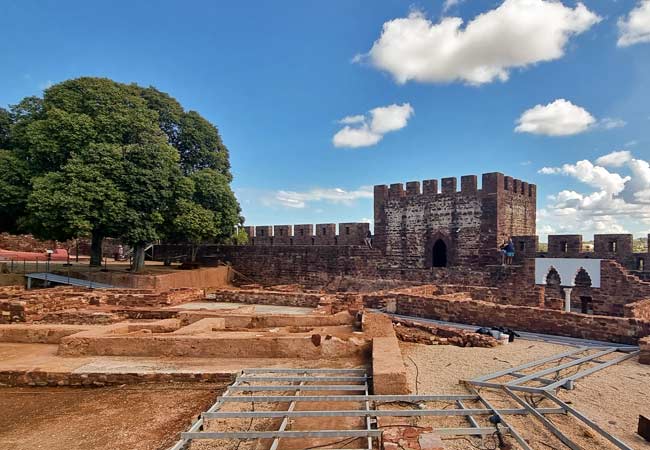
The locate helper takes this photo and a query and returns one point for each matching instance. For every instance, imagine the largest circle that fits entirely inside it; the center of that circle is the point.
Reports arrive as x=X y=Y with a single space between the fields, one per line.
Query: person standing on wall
x=368 y=239
x=502 y=252
x=510 y=251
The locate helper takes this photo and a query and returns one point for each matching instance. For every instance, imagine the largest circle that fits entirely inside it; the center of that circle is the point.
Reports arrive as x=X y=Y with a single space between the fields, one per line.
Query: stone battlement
x=606 y=246
x=492 y=183
x=349 y=233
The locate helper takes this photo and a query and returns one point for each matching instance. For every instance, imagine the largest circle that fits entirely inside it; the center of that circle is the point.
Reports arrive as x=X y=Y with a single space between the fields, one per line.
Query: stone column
x=567 y=299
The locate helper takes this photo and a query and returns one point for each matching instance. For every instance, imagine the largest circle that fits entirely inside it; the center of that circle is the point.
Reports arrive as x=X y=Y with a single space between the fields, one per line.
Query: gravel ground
x=613 y=397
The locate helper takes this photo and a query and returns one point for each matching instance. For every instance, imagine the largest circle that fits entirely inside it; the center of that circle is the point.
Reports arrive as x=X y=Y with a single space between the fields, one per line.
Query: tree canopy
x=98 y=158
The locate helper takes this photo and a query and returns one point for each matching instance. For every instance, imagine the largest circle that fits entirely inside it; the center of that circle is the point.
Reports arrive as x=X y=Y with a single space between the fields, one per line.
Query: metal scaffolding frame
x=540 y=377
x=577 y=357
x=245 y=382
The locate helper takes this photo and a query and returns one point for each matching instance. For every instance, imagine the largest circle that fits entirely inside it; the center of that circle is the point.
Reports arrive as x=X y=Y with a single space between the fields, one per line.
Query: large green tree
x=98 y=158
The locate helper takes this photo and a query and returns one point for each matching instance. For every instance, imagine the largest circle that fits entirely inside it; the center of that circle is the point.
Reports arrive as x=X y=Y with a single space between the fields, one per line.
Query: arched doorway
x=582 y=291
x=439 y=254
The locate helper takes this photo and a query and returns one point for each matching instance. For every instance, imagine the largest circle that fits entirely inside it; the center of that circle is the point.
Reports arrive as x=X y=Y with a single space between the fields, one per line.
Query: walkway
x=60 y=279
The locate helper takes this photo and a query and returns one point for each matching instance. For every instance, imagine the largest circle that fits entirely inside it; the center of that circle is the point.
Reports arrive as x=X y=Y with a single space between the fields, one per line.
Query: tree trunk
x=195 y=250
x=96 y=250
x=138 y=258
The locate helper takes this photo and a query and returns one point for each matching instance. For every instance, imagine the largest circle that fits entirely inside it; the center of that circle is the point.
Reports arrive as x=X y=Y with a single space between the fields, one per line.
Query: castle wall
x=350 y=233
x=471 y=222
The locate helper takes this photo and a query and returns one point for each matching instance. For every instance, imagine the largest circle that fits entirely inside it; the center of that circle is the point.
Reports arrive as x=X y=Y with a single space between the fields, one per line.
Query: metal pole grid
x=547 y=423
x=285 y=420
x=511 y=430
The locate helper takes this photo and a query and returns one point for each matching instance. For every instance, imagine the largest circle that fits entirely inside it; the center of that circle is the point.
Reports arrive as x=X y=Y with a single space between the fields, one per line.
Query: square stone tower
x=420 y=227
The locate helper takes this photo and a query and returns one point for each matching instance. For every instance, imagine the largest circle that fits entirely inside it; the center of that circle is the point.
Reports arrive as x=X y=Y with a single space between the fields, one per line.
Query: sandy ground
x=613 y=397
x=260 y=309
x=141 y=417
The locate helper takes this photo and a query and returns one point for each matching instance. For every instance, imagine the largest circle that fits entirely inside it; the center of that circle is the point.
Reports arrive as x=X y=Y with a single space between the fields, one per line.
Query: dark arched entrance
x=439 y=254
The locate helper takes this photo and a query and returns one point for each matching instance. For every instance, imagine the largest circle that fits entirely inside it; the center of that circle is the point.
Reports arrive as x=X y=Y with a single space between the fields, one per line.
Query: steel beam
x=560 y=367
x=248 y=378
x=547 y=423
x=348 y=398
x=531 y=364
x=375 y=413
x=311 y=387
x=281 y=434
x=591 y=370
x=524 y=445
x=309 y=371
x=578 y=415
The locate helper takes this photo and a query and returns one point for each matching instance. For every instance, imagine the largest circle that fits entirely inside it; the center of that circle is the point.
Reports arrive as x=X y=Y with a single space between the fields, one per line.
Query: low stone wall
x=32 y=378
x=266 y=297
x=205 y=277
x=165 y=338
x=20 y=305
x=235 y=320
x=388 y=370
x=639 y=310
x=38 y=334
x=429 y=334
x=644 y=345
x=455 y=308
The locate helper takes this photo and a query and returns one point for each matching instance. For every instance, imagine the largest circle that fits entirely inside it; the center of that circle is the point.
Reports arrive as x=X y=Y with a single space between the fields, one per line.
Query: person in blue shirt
x=510 y=251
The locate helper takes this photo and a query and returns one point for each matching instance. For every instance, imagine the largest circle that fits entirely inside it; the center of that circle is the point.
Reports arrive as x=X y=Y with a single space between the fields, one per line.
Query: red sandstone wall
x=202 y=278
x=26 y=243
x=615 y=329
x=639 y=310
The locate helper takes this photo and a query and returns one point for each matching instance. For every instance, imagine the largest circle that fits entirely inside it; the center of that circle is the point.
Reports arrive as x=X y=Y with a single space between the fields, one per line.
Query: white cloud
x=355 y=137
x=518 y=33
x=610 y=123
x=294 y=199
x=635 y=27
x=450 y=4
x=559 y=118
x=620 y=200
x=369 y=130
x=350 y=120
x=615 y=159
x=390 y=118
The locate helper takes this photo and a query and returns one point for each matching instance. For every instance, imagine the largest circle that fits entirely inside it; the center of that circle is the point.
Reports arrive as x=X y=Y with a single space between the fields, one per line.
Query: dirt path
x=136 y=417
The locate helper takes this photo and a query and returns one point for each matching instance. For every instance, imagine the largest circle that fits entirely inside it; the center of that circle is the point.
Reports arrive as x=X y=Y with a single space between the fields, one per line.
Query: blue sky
x=539 y=90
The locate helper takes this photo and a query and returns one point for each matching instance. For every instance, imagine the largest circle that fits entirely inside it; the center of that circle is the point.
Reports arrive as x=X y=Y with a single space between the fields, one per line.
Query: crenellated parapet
x=492 y=183
x=348 y=233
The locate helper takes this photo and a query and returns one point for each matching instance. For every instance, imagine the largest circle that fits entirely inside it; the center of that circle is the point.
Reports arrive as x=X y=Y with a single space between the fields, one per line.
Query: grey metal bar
x=281 y=434
x=290 y=379
x=375 y=412
x=285 y=419
x=349 y=398
x=470 y=419
x=532 y=390
x=575 y=362
x=591 y=370
x=547 y=423
x=530 y=364
x=368 y=422
x=281 y=370
x=541 y=380
x=614 y=440
x=311 y=387
x=524 y=445
x=467 y=431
